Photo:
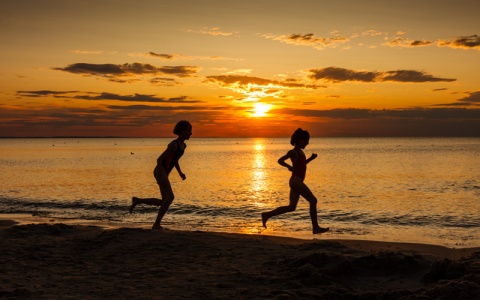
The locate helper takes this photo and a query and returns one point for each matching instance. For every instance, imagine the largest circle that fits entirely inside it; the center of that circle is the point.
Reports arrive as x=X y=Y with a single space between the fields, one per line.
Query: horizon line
x=240 y=137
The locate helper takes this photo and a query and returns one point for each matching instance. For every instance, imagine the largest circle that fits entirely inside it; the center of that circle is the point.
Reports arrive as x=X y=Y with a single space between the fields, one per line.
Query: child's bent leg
x=306 y=193
x=161 y=212
x=148 y=201
x=294 y=196
x=264 y=219
x=313 y=215
x=167 y=196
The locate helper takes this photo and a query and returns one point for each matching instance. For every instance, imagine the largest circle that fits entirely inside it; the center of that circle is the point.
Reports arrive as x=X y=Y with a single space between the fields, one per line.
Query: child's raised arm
x=314 y=155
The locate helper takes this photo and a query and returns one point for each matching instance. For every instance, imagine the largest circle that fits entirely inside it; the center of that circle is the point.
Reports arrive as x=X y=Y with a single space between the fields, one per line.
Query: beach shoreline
x=23 y=219
x=46 y=259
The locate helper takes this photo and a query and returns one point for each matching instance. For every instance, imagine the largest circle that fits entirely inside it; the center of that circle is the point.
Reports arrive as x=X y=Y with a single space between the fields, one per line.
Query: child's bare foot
x=264 y=220
x=157 y=227
x=134 y=203
x=320 y=230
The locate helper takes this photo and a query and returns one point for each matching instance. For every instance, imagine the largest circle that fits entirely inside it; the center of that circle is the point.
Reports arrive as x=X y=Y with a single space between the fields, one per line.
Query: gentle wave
x=111 y=210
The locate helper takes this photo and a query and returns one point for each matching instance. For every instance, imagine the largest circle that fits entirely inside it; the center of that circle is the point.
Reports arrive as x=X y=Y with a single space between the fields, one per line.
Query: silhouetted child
x=299 y=140
x=165 y=163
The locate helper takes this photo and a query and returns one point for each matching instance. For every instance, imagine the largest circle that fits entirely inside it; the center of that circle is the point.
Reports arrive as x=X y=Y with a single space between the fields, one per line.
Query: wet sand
x=48 y=259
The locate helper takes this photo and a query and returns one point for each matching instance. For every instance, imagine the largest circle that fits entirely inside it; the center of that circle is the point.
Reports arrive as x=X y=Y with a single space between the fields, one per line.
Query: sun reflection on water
x=259 y=174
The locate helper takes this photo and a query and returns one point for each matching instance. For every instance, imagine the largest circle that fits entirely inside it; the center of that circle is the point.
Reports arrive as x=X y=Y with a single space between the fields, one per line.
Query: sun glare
x=261 y=109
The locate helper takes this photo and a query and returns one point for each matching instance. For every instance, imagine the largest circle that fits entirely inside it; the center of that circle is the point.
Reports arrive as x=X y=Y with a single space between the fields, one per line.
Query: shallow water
x=393 y=189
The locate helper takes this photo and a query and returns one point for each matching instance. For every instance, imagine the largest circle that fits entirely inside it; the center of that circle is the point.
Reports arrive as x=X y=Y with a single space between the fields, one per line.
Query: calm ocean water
x=391 y=189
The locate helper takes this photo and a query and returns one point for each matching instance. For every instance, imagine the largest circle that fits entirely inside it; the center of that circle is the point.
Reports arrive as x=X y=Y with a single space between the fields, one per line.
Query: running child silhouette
x=299 y=140
x=165 y=163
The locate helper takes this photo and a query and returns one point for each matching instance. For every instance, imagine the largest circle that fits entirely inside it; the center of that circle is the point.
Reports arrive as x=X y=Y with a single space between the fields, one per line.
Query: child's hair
x=181 y=126
x=299 y=134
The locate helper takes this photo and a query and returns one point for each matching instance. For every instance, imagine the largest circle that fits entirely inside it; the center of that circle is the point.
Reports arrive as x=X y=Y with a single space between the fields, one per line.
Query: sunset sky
x=250 y=68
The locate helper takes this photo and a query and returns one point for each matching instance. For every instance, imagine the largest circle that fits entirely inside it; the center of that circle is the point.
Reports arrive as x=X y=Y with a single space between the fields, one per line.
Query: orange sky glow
x=251 y=68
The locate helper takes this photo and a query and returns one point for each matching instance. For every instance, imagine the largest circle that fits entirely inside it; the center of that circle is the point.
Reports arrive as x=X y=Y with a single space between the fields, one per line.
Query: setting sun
x=261 y=109
x=352 y=73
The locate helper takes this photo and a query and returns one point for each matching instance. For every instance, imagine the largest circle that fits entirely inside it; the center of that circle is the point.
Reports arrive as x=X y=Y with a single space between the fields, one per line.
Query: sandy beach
x=58 y=260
